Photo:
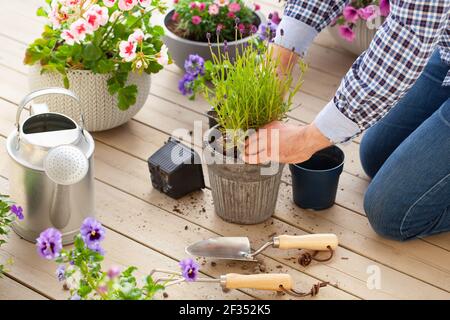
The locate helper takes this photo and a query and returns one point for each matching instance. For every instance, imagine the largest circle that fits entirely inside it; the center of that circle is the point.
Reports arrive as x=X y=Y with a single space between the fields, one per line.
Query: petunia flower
x=144 y=3
x=213 y=9
x=275 y=17
x=109 y=3
x=350 y=14
x=347 y=33
x=127 y=5
x=18 y=211
x=234 y=7
x=196 y=20
x=385 y=8
x=162 y=57
x=195 y=65
x=186 y=83
x=189 y=269
x=222 y=3
x=369 y=12
x=49 y=244
x=92 y=232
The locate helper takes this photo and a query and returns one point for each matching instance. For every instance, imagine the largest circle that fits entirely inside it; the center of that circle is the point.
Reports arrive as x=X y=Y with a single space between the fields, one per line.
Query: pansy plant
x=112 y=37
x=9 y=212
x=80 y=269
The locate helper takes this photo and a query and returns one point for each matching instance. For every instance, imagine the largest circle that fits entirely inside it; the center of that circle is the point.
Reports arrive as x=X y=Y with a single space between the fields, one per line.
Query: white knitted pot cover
x=100 y=111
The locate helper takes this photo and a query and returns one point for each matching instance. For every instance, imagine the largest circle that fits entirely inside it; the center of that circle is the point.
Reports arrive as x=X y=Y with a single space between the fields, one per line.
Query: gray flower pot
x=241 y=194
x=181 y=48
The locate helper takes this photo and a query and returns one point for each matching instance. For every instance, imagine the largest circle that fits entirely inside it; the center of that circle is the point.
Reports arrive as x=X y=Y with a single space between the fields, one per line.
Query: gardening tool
x=238 y=248
x=51 y=169
x=279 y=282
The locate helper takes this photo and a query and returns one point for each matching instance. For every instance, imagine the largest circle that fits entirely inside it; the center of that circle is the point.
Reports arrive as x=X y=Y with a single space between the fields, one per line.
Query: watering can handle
x=44 y=92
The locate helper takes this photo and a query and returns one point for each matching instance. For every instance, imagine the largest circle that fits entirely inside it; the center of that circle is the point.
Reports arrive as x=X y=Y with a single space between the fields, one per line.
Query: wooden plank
x=12 y=290
x=116 y=169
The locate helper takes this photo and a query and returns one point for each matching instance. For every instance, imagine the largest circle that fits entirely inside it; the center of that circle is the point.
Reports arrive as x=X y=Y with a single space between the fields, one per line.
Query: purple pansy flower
x=186 y=84
x=267 y=31
x=49 y=244
x=92 y=233
x=385 y=8
x=189 y=269
x=195 y=65
x=61 y=272
x=18 y=211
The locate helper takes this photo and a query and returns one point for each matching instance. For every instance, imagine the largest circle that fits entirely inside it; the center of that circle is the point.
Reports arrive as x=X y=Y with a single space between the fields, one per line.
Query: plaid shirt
x=394 y=61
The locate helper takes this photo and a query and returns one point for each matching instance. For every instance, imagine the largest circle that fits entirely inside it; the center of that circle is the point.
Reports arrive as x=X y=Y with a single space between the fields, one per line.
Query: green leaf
x=105 y=66
x=127 y=97
x=91 y=52
x=41 y=12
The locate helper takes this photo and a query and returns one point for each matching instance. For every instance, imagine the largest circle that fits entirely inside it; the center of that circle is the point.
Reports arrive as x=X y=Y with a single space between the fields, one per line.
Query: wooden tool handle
x=308 y=242
x=264 y=281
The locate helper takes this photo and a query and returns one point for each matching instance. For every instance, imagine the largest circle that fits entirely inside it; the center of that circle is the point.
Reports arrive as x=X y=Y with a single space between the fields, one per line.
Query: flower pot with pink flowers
x=187 y=26
x=104 y=51
x=356 y=27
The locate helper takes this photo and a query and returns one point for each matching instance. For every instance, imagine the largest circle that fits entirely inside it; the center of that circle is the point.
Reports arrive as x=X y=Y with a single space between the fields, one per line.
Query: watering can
x=51 y=169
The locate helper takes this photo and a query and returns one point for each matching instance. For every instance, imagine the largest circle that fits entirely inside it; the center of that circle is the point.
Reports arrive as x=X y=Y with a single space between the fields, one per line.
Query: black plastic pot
x=315 y=182
x=212 y=117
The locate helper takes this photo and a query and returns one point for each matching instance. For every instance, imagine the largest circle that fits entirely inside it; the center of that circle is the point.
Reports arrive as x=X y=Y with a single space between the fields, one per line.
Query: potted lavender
x=188 y=23
x=356 y=27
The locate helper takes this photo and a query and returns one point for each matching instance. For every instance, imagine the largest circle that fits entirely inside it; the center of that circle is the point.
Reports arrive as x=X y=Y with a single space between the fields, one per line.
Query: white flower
x=72 y=3
x=80 y=28
x=97 y=16
x=137 y=36
x=144 y=3
x=126 y=5
x=222 y=3
x=109 y=3
x=163 y=56
x=128 y=50
x=69 y=37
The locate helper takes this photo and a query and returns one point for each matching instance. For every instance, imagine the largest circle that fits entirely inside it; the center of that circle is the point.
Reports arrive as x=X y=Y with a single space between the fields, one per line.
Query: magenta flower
x=351 y=14
x=257 y=7
x=113 y=272
x=385 y=8
x=275 y=17
x=175 y=16
x=49 y=244
x=369 y=12
x=234 y=7
x=192 y=5
x=201 y=6
x=92 y=233
x=189 y=269
x=18 y=211
x=231 y=15
x=347 y=33
x=196 y=20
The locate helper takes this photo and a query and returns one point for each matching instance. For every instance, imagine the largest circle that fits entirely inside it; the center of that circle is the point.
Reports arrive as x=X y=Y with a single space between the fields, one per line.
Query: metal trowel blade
x=234 y=248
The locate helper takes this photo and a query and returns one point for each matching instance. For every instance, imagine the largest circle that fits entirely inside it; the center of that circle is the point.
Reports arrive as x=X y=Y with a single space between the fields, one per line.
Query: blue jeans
x=407 y=153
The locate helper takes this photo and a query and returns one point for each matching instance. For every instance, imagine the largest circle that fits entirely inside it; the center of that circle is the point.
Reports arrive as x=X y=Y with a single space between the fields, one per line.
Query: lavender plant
x=81 y=271
x=8 y=213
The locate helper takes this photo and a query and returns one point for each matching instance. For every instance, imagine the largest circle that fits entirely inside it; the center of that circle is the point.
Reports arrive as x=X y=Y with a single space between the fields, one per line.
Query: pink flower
x=80 y=28
x=347 y=33
x=201 y=6
x=213 y=9
x=175 y=1
x=196 y=20
x=192 y=5
x=385 y=8
x=163 y=56
x=109 y=3
x=137 y=36
x=175 y=16
x=241 y=27
x=96 y=16
x=222 y=3
x=350 y=14
x=231 y=15
x=72 y=3
x=144 y=3
x=257 y=7
x=57 y=16
x=127 y=50
x=275 y=18
x=369 y=13
x=234 y=7
x=127 y=5
x=69 y=37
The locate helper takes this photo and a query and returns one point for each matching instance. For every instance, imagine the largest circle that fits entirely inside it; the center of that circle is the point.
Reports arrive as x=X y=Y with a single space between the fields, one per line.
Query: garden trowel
x=238 y=248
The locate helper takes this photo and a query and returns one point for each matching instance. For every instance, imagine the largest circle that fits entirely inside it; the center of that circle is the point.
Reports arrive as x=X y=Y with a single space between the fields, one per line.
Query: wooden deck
x=148 y=229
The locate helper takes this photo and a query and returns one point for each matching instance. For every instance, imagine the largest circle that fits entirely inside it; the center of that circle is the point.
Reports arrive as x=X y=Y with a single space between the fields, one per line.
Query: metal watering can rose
x=51 y=169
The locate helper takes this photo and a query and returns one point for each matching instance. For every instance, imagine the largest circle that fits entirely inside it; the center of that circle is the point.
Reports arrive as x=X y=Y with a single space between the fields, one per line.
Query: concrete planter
x=241 y=194
x=181 y=48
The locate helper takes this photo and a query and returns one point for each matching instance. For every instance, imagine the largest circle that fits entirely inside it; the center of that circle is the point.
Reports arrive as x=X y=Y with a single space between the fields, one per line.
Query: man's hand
x=294 y=144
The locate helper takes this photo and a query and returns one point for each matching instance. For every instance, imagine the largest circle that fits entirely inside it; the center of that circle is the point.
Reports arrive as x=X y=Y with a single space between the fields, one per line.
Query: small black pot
x=212 y=117
x=315 y=182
